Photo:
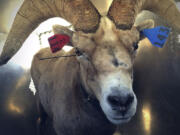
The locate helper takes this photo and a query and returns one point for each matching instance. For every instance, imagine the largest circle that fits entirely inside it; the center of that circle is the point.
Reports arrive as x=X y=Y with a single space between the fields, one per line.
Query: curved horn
x=81 y=13
x=167 y=9
x=124 y=12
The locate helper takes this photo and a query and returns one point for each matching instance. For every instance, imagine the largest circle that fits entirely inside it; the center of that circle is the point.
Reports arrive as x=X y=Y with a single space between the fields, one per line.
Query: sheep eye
x=115 y=62
x=78 y=52
x=135 y=45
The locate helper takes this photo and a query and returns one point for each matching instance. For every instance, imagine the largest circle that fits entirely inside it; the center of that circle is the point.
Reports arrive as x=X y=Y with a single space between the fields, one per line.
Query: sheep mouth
x=122 y=118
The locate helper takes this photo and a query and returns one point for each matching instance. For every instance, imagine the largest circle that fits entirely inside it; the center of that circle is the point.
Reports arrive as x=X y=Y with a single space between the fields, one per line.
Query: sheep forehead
x=105 y=56
x=108 y=32
x=110 y=46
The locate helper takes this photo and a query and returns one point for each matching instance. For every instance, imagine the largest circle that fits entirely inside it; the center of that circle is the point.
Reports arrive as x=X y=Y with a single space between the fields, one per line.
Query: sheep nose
x=120 y=100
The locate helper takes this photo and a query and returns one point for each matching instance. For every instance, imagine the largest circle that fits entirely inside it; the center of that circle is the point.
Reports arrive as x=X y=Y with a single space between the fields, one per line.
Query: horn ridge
x=81 y=13
x=123 y=13
x=168 y=10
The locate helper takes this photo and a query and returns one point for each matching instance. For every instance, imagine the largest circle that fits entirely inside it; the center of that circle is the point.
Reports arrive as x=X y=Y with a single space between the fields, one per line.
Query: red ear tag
x=58 y=41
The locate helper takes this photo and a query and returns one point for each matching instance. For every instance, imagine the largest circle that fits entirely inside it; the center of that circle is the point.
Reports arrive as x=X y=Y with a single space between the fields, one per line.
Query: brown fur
x=62 y=82
x=61 y=97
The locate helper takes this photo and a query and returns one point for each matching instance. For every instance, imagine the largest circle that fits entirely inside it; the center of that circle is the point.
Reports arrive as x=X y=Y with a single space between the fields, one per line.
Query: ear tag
x=57 y=42
x=157 y=36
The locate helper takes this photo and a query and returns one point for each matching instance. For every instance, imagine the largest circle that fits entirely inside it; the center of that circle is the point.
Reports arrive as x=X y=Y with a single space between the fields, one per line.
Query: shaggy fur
x=62 y=97
x=68 y=88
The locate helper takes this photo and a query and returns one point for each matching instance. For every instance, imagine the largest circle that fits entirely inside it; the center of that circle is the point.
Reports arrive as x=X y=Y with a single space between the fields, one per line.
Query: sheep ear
x=157 y=36
x=58 y=29
x=145 y=25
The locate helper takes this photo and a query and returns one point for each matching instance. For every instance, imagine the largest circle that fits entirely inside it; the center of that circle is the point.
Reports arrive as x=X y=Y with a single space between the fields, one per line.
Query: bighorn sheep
x=91 y=92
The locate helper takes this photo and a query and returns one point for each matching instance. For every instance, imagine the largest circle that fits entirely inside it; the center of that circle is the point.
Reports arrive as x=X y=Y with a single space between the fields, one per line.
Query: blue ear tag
x=157 y=36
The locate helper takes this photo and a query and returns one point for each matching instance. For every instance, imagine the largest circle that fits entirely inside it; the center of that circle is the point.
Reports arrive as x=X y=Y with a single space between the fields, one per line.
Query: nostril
x=129 y=101
x=114 y=100
x=120 y=101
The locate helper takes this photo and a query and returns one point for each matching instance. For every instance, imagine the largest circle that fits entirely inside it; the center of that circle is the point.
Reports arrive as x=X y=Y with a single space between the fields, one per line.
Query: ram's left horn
x=123 y=12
